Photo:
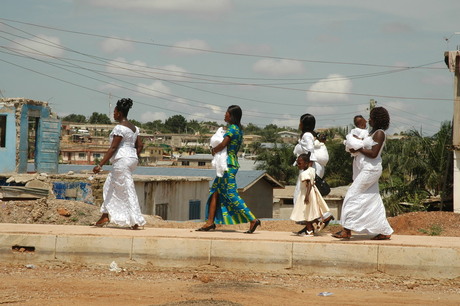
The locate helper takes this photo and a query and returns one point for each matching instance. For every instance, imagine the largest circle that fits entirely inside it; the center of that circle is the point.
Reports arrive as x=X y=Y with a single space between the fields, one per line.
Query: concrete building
x=256 y=188
x=28 y=131
x=195 y=161
x=284 y=203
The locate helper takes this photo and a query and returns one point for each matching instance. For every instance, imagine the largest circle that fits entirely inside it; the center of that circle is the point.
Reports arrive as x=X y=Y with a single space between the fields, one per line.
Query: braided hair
x=381 y=118
x=124 y=105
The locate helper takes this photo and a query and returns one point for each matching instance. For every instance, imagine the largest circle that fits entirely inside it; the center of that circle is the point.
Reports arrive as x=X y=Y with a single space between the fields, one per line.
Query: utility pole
x=452 y=59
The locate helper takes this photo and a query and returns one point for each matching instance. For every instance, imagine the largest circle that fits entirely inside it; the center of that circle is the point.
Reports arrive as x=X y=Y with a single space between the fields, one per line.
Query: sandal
x=343 y=234
x=381 y=237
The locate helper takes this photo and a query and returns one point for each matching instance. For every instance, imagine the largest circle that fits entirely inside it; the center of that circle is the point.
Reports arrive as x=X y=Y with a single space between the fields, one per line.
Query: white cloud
x=121 y=66
x=162 y=6
x=112 y=45
x=189 y=47
x=152 y=116
x=171 y=72
x=438 y=80
x=330 y=89
x=396 y=28
x=286 y=121
x=276 y=67
x=252 y=49
x=39 y=46
x=156 y=89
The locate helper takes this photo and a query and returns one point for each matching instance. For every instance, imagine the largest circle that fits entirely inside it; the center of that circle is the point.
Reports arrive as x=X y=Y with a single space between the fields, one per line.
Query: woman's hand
x=97 y=169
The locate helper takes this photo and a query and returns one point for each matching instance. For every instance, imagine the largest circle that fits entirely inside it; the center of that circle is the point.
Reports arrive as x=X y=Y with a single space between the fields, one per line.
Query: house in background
x=29 y=131
x=254 y=186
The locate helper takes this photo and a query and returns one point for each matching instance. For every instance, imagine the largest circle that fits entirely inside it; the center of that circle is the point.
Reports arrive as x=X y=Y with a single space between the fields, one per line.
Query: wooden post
x=456 y=135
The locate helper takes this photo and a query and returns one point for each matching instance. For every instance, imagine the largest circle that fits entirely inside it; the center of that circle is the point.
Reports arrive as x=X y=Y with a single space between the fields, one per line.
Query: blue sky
x=276 y=59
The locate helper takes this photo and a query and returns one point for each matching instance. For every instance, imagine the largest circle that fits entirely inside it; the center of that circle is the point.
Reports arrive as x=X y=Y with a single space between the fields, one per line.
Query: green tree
x=278 y=162
x=252 y=129
x=176 y=124
x=98 y=118
x=75 y=118
x=193 y=127
x=136 y=123
x=154 y=126
x=417 y=167
x=270 y=133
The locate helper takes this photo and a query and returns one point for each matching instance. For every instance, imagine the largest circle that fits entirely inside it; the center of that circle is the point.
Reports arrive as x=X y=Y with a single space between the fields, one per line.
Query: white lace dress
x=316 y=206
x=120 y=198
x=363 y=210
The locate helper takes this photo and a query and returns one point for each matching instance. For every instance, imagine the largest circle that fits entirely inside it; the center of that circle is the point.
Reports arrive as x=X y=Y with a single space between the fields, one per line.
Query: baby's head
x=360 y=122
x=303 y=160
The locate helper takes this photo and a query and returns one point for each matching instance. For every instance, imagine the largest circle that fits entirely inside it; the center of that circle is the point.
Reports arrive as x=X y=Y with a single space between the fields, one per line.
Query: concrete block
x=171 y=252
x=96 y=250
x=253 y=255
x=35 y=248
x=334 y=258
x=423 y=262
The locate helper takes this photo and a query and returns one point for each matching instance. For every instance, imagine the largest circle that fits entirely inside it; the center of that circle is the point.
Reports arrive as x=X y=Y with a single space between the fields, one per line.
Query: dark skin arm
x=221 y=145
x=307 y=194
x=113 y=148
x=139 y=145
x=378 y=137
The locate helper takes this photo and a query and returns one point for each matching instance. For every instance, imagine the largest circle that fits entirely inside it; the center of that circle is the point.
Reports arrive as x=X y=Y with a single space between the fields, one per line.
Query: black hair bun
x=125 y=103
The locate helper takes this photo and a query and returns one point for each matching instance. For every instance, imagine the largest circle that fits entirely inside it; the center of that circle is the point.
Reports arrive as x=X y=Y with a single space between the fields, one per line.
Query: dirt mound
x=434 y=223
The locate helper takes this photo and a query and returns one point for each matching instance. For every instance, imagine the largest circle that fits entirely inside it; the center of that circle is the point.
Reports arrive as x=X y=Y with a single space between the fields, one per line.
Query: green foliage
x=97 y=118
x=176 y=124
x=270 y=133
x=135 y=122
x=154 y=126
x=278 y=163
x=416 y=168
x=252 y=129
x=75 y=118
x=434 y=230
x=339 y=168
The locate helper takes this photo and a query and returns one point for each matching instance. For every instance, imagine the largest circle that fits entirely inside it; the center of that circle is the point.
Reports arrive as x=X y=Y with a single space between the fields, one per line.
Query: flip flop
x=381 y=237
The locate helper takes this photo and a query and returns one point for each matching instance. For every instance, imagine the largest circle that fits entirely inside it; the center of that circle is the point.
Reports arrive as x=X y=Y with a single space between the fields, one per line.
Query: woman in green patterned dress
x=225 y=206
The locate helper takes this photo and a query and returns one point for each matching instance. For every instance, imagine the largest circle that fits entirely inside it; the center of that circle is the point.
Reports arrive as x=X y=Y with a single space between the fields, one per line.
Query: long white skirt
x=363 y=210
x=120 y=198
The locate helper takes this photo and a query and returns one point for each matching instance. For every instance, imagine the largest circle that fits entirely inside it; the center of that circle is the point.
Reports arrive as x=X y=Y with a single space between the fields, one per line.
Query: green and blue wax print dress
x=230 y=208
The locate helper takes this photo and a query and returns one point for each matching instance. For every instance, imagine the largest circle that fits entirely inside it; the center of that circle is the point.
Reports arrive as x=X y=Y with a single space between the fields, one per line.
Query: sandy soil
x=65 y=284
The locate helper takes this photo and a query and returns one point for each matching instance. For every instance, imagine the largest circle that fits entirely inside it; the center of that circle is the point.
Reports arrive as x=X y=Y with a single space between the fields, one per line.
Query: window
x=185 y=163
x=201 y=163
x=162 y=210
x=96 y=155
x=194 y=209
x=2 y=131
x=81 y=155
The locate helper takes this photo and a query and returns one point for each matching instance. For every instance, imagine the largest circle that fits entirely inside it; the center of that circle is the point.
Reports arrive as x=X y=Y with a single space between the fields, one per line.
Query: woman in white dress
x=121 y=205
x=363 y=210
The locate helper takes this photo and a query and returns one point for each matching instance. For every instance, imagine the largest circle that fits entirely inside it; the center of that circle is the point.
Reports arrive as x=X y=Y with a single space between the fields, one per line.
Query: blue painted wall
x=8 y=153
x=24 y=129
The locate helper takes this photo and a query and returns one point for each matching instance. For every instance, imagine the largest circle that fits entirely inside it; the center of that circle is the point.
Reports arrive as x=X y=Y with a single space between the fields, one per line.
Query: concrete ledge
x=335 y=259
x=415 y=256
x=171 y=252
x=425 y=262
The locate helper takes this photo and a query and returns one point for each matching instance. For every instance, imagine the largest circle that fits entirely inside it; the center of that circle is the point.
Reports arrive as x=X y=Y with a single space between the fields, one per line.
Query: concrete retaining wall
x=261 y=255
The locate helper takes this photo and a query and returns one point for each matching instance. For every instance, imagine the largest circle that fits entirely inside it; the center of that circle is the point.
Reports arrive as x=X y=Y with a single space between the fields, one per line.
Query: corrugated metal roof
x=244 y=178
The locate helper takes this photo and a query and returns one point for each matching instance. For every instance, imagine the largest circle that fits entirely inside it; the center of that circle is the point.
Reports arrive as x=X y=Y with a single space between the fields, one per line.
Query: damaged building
x=29 y=132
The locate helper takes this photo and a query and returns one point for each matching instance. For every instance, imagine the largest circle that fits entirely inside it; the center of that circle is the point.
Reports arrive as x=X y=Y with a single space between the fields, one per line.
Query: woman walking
x=121 y=205
x=363 y=210
x=224 y=205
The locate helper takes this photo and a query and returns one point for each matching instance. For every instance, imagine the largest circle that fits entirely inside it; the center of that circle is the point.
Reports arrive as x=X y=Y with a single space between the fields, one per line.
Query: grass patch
x=434 y=230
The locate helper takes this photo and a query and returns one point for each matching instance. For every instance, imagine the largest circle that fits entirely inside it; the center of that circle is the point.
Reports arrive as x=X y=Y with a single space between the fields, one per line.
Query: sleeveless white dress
x=363 y=210
x=120 y=198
